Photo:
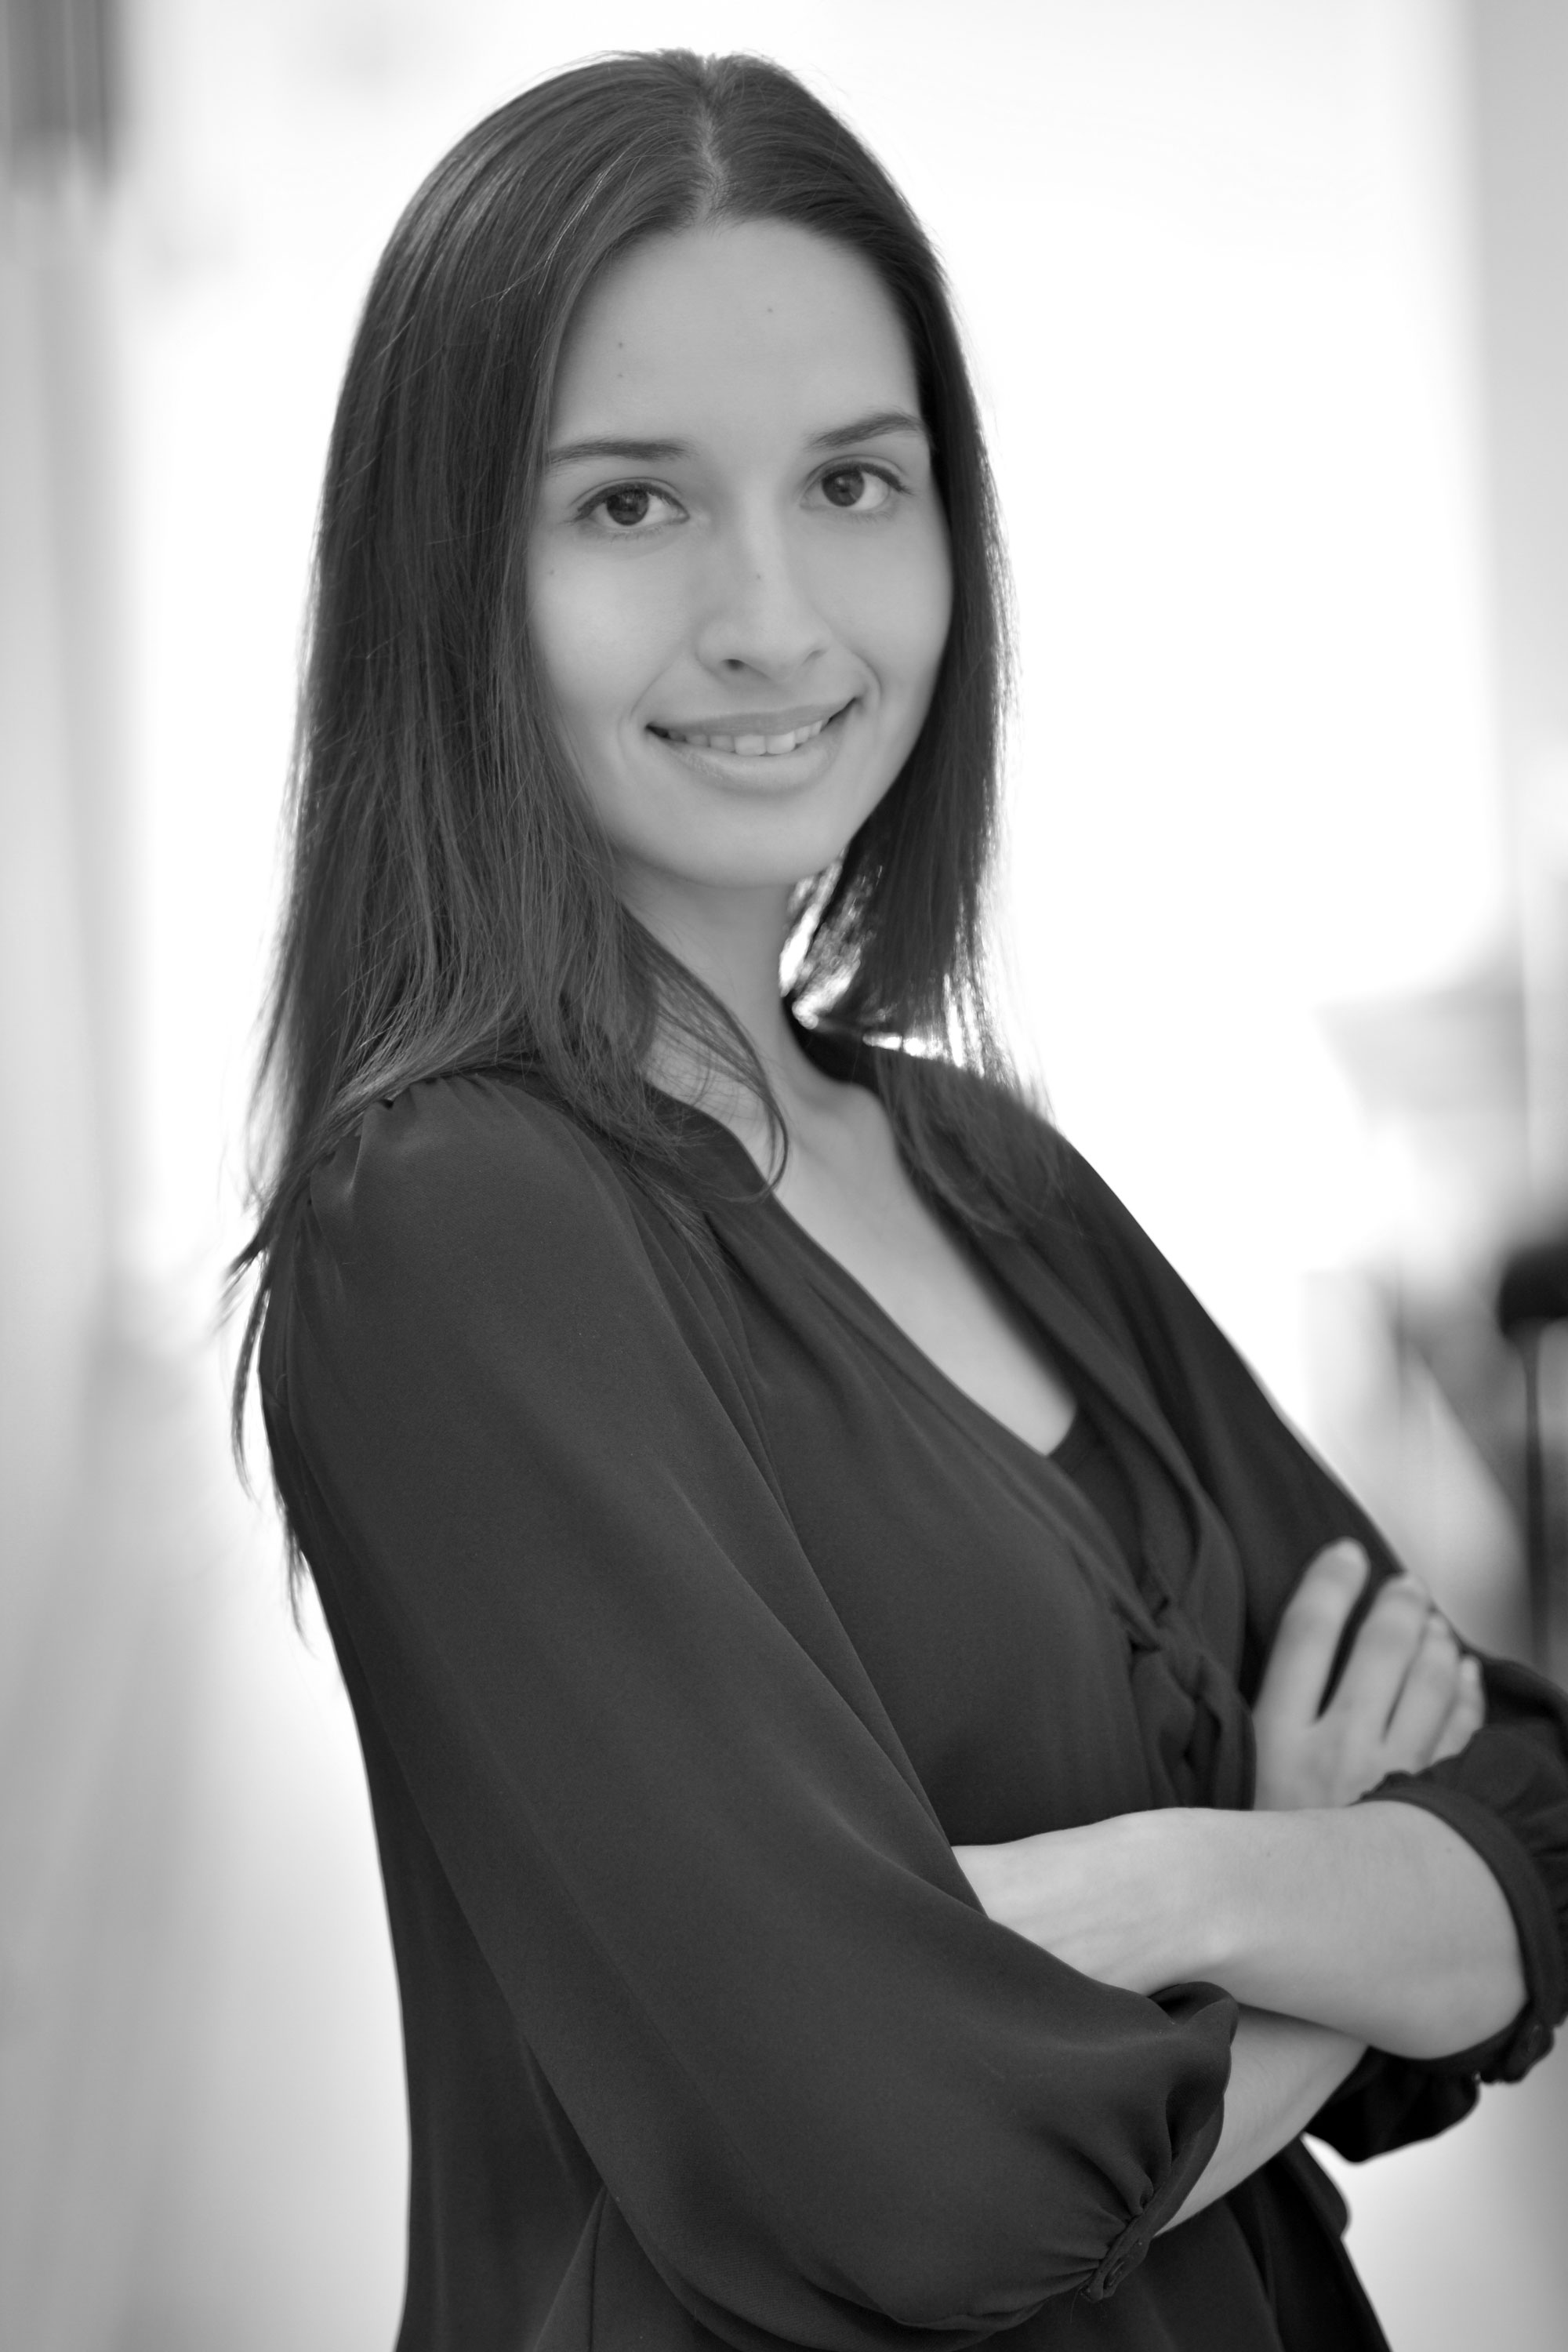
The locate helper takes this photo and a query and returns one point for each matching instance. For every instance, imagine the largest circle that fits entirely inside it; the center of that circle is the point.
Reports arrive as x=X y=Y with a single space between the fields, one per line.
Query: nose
x=759 y=614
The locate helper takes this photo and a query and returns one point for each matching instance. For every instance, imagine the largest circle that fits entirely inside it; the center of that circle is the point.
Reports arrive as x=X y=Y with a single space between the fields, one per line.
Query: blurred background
x=1268 y=303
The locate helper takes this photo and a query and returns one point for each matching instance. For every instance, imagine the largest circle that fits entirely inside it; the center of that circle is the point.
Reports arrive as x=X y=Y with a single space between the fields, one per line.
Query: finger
x=1309 y=1633
x=1466 y=1716
x=1430 y=1689
x=1385 y=1651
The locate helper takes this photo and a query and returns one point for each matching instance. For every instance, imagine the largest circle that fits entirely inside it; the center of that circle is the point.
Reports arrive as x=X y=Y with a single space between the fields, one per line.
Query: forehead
x=748 y=326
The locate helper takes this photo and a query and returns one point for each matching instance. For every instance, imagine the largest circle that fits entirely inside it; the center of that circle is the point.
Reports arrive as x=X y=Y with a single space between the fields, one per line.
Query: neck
x=732 y=941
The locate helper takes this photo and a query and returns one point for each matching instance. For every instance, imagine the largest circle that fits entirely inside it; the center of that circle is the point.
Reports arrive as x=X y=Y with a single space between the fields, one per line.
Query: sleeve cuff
x=1128 y=2249
x=1511 y=2054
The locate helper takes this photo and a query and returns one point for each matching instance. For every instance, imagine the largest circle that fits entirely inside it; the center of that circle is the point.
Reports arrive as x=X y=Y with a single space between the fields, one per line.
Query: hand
x=1409 y=1696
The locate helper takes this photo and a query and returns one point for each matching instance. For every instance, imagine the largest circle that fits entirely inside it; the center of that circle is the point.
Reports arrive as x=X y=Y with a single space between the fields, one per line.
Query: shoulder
x=456 y=1156
x=1083 y=1200
x=1084 y=1225
x=465 y=1196
x=995 y=1138
x=976 y=1138
x=470 y=1260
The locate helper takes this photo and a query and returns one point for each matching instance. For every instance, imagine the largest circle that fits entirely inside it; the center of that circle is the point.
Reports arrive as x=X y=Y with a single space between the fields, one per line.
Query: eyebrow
x=636 y=453
x=870 y=428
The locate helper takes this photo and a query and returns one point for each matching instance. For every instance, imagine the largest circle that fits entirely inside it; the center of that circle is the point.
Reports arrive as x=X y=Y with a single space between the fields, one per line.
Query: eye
x=628 y=507
x=860 y=489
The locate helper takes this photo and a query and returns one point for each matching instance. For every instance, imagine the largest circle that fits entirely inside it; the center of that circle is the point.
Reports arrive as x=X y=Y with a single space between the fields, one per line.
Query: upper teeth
x=752 y=745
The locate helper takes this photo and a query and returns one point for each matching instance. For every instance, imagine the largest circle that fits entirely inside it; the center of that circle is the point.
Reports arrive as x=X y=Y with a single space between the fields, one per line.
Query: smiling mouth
x=751 y=742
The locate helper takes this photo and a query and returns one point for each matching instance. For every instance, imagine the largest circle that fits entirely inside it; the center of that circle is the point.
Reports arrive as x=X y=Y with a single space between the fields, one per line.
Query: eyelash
x=592 y=506
x=884 y=474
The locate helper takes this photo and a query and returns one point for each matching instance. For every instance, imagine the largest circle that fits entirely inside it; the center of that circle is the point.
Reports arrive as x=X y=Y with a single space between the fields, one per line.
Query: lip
x=753 y=723
x=768 y=771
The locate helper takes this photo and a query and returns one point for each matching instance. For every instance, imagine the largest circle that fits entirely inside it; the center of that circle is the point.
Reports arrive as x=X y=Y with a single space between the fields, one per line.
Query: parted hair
x=451 y=904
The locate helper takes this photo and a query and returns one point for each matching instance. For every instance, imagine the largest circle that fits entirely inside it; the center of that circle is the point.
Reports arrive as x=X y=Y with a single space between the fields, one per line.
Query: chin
x=775 y=866
x=753 y=876
x=773 y=849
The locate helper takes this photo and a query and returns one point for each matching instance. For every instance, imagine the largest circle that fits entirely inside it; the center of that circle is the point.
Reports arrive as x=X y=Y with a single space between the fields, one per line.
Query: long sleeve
x=1506 y=1793
x=834 y=2103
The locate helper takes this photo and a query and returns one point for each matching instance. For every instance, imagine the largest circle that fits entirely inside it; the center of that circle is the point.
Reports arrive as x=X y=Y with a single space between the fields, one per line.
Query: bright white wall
x=1211 y=255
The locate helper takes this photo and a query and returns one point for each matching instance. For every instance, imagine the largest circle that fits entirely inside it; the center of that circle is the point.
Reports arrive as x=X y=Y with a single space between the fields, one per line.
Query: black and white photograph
x=784 y=1226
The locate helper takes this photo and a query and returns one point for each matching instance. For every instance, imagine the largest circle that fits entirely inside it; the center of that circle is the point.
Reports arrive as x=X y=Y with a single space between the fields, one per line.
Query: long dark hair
x=451 y=905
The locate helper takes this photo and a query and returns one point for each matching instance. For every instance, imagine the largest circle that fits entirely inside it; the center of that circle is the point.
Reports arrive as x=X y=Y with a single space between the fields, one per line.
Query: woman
x=838 y=1639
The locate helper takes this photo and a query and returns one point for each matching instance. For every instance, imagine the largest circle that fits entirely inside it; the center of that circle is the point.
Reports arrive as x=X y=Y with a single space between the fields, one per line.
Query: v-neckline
x=885 y=1333
x=1012 y=1456
x=1100 y=1376
x=1065 y=1327
x=832 y=1277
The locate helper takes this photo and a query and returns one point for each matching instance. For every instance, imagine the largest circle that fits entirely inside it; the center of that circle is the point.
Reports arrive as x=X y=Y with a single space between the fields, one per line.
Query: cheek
x=904 y=601
x=600 y=641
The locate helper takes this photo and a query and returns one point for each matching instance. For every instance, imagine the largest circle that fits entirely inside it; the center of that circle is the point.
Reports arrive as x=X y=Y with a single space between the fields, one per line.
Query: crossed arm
x=1336 y=1925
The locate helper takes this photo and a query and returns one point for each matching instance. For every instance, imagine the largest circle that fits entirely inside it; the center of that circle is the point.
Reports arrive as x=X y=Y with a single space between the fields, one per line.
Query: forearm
x=1378 y=1920
x=1283 y=2070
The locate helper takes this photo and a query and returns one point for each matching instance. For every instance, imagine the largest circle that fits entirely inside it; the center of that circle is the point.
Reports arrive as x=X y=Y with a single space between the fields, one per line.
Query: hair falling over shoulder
x=451 y=904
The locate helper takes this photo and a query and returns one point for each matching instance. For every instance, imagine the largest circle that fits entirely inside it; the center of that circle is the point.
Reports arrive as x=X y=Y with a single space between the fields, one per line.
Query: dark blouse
x=691 y=1617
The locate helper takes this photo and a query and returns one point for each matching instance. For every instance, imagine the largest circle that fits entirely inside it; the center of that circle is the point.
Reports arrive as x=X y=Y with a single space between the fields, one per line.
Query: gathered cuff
x=1128 y=2248
x=1513 y=1849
